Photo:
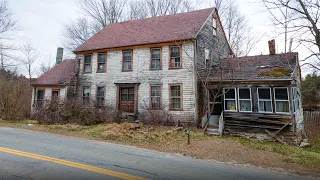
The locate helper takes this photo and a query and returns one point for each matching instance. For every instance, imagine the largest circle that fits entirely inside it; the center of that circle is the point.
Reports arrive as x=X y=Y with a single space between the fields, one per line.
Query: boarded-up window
x=175 y=97
x=127 y=60
x=102 y=58
x=175 y=60
x=100 y=95
x=155 y=58
x=281 y=100
x=265 y=100
x=155 y=96
x=87 y=63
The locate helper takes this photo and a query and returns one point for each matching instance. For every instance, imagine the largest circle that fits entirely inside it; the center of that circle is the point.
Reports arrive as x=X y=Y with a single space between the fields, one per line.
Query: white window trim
x=235 y=99
x=264 y=100
x=244 y=99
x=275 y=101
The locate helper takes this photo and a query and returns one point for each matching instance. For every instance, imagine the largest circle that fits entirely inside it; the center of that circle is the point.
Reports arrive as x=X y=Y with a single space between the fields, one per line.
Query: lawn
x=162 y=138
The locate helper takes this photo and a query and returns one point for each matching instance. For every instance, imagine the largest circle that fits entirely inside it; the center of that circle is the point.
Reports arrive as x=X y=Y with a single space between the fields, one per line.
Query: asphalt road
x=33 y=155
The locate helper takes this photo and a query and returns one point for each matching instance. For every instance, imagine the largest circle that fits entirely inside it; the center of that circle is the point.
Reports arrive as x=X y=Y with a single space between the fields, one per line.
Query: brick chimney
x=272 y=47
x=59 y=55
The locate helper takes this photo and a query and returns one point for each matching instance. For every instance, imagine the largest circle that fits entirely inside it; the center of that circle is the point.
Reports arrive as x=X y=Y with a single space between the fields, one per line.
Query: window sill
x=155 y=69
x=101 y=71
x=87 y=72
x=127 y=70
x=175 y=109
x=175 y=68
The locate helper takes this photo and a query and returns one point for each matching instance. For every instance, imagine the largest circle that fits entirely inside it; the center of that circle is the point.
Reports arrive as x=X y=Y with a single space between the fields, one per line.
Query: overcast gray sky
x=42 y=22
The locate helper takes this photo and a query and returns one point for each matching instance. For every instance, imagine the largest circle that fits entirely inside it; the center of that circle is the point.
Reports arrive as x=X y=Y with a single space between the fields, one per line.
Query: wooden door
x=127 y=99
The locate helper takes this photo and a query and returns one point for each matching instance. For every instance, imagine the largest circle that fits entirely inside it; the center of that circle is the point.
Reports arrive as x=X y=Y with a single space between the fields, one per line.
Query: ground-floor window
x=264 y=99
x=155 y=96
x=55 y=95
x=40 y=98
x=175 y=97
x=245 y=101
x=281 y=100
x=230 y=99
x=100 y=96
x=86 y=95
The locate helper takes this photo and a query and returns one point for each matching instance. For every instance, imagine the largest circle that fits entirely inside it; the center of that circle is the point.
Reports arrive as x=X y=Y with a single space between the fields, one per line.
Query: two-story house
x=152 y=63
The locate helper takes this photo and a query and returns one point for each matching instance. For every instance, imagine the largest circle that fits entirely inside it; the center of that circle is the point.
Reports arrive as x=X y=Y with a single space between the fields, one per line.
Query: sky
x=42 y=23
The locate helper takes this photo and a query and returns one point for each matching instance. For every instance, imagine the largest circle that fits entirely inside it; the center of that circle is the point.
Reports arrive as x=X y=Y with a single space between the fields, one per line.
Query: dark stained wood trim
x=151 y=58
x=181 y=94
x=131 y=60
x=169 y=43
x=90 y=63
x=150 y=101
x=170 y=68
x=105 y=62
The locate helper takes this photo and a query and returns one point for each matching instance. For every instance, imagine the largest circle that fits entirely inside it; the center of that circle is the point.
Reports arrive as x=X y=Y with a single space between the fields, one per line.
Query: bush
x=73 y=111
x=157 y=117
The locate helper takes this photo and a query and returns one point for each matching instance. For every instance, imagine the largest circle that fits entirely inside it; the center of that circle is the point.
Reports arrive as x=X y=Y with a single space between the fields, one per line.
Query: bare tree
x=29 y=57
x=137 y=10
x=7 y=27
x=300 y=19
x=76 y=33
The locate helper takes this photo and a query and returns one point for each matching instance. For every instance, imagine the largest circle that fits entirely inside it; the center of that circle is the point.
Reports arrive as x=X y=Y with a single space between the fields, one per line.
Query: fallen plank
x=276 y=137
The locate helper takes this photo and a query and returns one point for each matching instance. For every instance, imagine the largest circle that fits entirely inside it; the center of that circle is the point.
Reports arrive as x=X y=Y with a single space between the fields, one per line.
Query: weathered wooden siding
x=142 y=74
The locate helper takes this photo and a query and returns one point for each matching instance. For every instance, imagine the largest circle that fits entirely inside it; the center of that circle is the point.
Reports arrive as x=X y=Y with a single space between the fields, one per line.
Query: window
x=281 y=100
x=264 y=100
x=87 y=63
x=245 y=102
x=100 y=95
x=295 y=98
x=127 y=60
x=86 y=95
x=230 y=99
x=55 y=94
x=155 y=96
x=175 y=61
x=175 y=97
x=207 y=59
x=155 y=58
x=40 y=98
x=102 y=58
x=127 y=94
x=214 y=26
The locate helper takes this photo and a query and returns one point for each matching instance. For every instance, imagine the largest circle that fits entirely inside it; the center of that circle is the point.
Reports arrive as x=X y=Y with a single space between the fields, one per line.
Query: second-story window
x=127 y=60
x=155 y=58
x=175 y=59
x=87 y=63
x=102 y=58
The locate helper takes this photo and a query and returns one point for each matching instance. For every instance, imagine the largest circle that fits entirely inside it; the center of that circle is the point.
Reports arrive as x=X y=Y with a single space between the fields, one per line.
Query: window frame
x=105 y=63
x=44 y=97
x=295 y=99
x=84 y=63
x=58 y=97
x=265 y=100
x=160 y=68
x=128 y=94
x=150 y=96
x=235 y=99
x=104 y=91
x=275 y=101
x=128 y=70
x=244 y=99
x=83 y=87
x=214 y=26
x=206 y=58
x=181 y=98
x=169 y=63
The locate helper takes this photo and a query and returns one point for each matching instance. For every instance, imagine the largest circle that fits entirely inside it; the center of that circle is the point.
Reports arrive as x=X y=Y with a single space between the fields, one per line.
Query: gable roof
x=183 y=26
x=261 y=67
x=62 y=74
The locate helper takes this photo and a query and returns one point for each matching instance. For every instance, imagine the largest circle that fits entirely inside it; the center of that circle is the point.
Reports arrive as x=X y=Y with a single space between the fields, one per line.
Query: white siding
x=142 y=74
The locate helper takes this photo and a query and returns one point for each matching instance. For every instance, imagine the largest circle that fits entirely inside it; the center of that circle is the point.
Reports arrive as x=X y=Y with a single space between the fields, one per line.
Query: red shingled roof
x=253 y=67
x=61 y=74
x=183 y=26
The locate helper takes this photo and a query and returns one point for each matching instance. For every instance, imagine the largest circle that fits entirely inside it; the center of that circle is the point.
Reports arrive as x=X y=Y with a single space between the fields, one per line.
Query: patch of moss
x=278 y=72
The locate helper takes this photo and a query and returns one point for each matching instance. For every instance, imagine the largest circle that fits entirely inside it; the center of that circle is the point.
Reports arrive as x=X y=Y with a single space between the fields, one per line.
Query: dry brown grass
x=227 y=149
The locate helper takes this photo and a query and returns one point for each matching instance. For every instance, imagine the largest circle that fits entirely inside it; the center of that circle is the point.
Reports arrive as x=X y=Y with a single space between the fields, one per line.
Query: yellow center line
x=73 y=164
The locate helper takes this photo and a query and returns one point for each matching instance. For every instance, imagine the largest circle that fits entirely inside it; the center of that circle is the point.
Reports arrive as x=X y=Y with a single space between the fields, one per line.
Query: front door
x=127 y=99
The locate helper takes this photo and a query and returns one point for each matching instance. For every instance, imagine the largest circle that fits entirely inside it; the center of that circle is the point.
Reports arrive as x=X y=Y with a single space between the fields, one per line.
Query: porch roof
x=262 y=67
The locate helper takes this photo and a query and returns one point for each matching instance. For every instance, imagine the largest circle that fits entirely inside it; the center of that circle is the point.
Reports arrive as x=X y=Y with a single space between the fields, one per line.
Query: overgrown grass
x=309 y=156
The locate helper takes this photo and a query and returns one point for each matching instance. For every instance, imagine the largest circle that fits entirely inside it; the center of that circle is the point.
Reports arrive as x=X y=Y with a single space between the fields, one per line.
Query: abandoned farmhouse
x=181 y=64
